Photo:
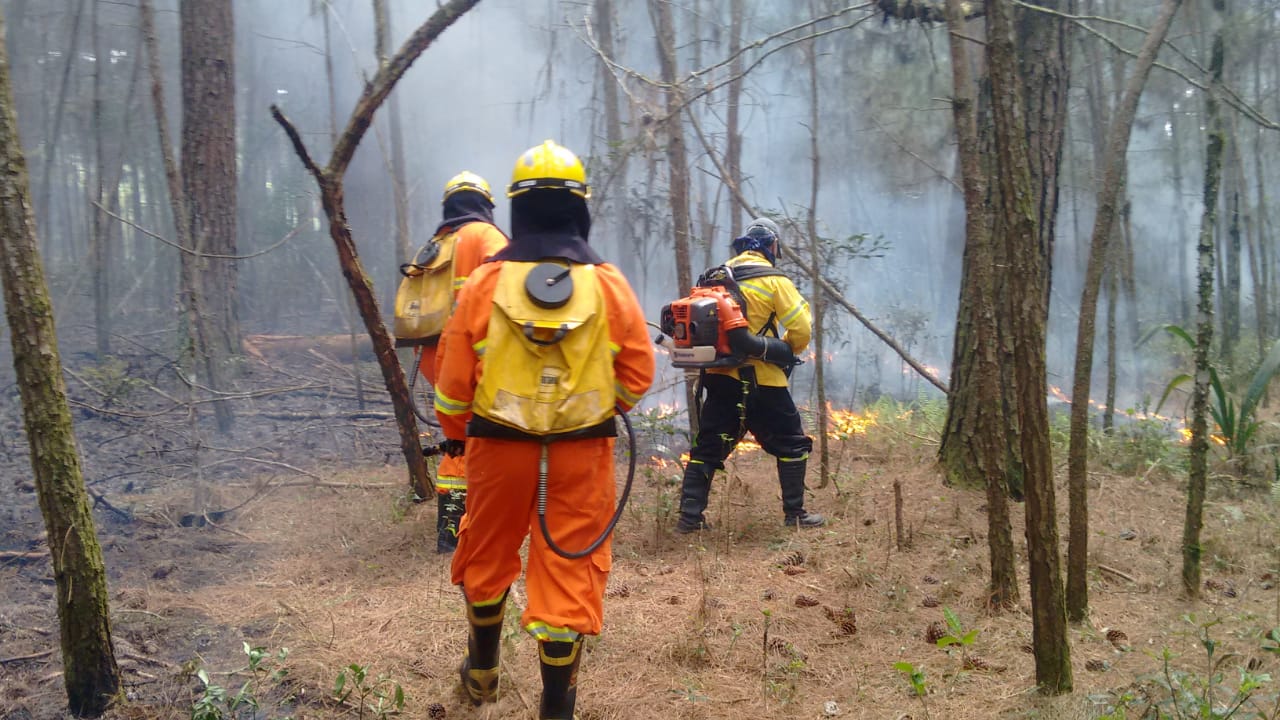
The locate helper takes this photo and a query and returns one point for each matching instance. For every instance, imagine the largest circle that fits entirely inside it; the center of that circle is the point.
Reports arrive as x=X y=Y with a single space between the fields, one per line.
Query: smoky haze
x=512 y=73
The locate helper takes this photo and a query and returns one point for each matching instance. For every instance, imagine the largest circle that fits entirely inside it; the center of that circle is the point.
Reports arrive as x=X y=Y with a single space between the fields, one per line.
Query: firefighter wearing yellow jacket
x=754 y=397
x=467 y=209
x=547 y=342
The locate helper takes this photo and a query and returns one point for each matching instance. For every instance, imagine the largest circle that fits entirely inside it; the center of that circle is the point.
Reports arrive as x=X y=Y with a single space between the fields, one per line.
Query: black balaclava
x=549 y=223
x=465 y=206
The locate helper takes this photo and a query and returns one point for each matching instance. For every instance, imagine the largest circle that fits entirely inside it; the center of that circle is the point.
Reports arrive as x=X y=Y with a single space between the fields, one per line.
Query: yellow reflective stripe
x=479 y=347
x=545 y=632
x=459 y=281
x=450 y=482
x=449 y=406
x=802 y=458
x=760 y=291
x=614 y=348
x=794 y=312
x=490 y=602
x=627 y=396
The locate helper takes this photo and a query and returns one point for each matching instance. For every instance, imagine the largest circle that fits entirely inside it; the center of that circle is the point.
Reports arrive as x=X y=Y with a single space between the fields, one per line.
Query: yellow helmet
x=467 y=180
x=549 y=166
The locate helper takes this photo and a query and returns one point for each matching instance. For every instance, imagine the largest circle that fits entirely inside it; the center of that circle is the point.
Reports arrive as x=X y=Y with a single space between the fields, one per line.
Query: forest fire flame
x=1184 y=432
x=842 y=424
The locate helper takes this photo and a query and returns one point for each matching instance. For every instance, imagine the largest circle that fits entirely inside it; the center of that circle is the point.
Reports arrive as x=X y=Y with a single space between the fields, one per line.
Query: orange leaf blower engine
x=700 y=327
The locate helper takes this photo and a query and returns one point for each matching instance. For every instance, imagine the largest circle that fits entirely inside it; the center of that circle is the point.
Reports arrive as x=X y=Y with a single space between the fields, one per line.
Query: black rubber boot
x=559 y=678
x=479 y=669
x=694 y=491
x=791 y=478
x=449 y=509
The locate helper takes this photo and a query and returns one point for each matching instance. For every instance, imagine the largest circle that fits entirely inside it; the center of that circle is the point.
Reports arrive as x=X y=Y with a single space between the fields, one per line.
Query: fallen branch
x=24 y=658
x=21 y=558
x=1122 y=575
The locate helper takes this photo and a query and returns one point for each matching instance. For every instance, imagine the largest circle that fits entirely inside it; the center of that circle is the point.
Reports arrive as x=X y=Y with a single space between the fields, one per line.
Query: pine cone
x=795 y=558
x=844 y=618
x=780 y=646
x=930 y=601
x=935 y=632
x=793 y=570
x=1118 y=639
x=973 y=662
x=435 y=711
x=620 y=590
x=1097 y=665
x=806 y=601
x=1213 y=584
x=930 y=580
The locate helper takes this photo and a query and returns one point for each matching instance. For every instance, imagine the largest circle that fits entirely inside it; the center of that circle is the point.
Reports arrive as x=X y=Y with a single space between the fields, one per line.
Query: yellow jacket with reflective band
x=467 y=357
x=772 y=295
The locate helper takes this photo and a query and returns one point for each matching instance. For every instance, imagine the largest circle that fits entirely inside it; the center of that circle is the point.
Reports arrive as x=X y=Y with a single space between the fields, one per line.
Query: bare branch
x=298 y=146
x=288 y=236
x=831 y=291
x=377 y=89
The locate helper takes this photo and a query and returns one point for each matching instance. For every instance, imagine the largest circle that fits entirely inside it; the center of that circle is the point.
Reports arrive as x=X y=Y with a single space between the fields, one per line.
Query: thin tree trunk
x=1179 y=220
x=733 y=133
x=677 y=162
x=51 y=150
x=987 y=440
x=399 y=180
x=97 y=239
x=1199 y=470
x=89 y=669
x=815 y=257
x=1103 y=229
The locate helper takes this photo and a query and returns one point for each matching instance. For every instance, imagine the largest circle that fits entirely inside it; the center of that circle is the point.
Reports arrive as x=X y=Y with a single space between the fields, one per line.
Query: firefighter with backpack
x=548 y=342
x=465 y=238
x=751 y=394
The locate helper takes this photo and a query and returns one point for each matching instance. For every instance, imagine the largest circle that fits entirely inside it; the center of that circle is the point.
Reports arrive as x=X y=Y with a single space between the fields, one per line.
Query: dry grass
x=748 y=620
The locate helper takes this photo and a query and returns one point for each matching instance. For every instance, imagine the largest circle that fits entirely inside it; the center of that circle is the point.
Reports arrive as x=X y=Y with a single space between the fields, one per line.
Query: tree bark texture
x=1028 y=254
x=815 y=256
x=209 y=158
x=1042 y=64
x=191 y=282
x=986 y=442
x=329 y=180
x=89 y=671
x=1108 y=200
x=1199 y=467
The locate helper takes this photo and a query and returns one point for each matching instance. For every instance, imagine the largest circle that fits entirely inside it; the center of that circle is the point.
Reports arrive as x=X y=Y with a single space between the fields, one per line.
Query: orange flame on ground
x=1181 y=426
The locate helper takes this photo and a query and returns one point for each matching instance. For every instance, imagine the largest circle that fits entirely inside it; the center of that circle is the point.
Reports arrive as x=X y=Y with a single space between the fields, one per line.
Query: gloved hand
x=453 y=448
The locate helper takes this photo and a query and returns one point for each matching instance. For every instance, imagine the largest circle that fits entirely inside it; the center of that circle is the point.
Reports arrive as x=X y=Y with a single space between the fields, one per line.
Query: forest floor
x=749 y=620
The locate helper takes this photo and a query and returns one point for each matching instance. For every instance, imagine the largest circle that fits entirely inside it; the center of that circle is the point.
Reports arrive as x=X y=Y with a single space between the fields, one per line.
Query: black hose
x=617 y=515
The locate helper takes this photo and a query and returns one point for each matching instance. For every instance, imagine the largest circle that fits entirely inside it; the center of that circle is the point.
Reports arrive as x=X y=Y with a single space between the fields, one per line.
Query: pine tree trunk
x=1029 y=263
x=209 y=167
x=1199 y=470
x=732 y=129
x=986 y=412
x=88 y=663
x=819 y=304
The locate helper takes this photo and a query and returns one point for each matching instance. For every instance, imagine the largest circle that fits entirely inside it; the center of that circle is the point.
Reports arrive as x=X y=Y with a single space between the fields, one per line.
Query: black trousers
x=733 y=408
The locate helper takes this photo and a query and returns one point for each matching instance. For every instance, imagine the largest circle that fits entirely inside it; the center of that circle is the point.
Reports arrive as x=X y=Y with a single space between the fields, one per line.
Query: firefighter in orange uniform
x=468 y=212
x=547 y=344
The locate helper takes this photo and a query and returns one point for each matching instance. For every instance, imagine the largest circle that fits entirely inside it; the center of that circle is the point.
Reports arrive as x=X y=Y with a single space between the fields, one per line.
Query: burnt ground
x=327 y=557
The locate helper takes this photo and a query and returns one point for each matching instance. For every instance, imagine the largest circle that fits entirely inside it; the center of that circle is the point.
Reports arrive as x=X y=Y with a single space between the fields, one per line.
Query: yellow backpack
x=548 y=369
x=424 y=299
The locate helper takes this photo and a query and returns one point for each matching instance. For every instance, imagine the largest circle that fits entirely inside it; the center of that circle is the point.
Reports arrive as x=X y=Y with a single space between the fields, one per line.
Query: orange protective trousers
x=565 y=597
x=451 y=472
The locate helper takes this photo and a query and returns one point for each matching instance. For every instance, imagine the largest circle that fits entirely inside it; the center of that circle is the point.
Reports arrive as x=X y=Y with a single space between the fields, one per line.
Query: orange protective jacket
x=477 y=242
x=565 y=598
